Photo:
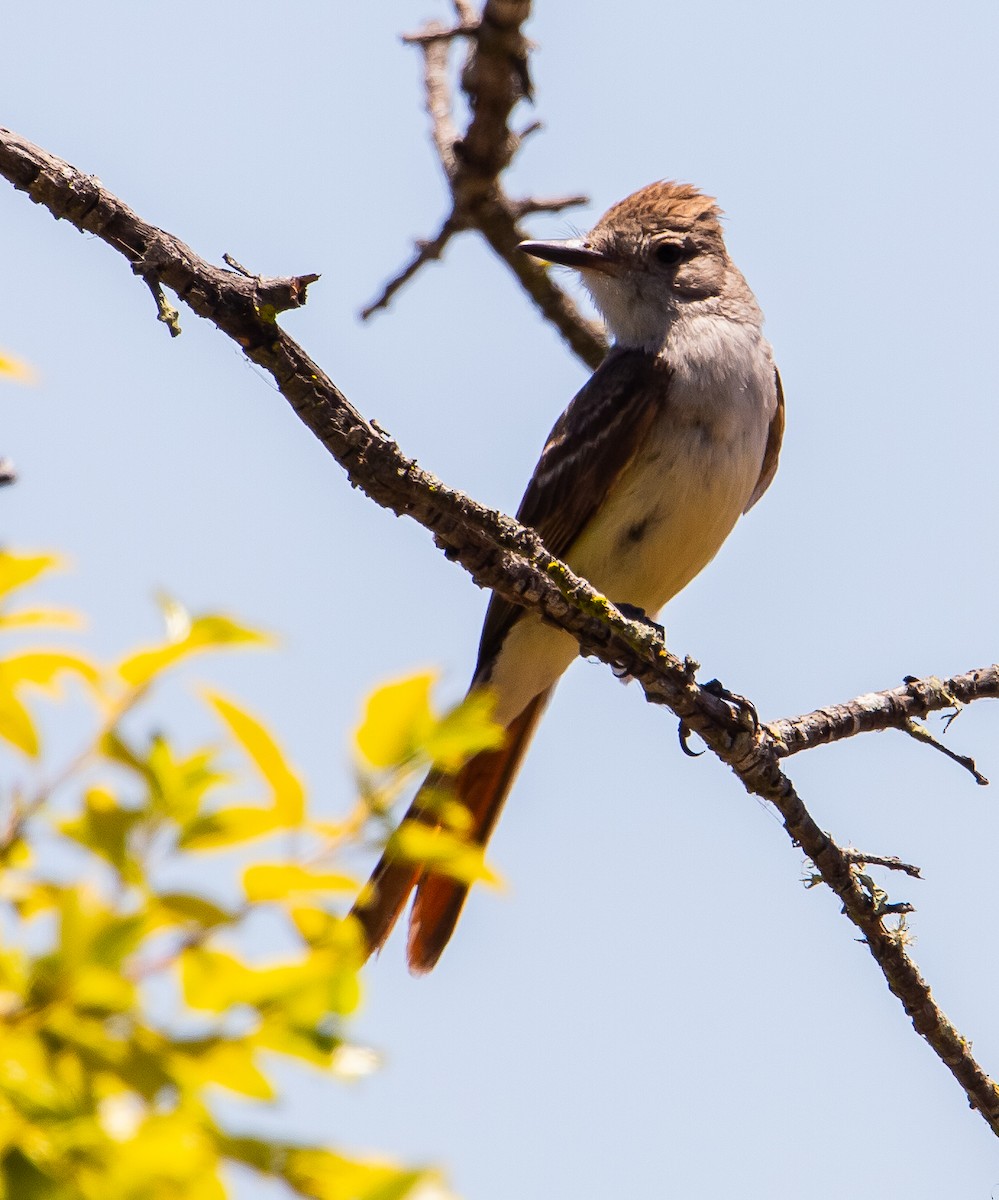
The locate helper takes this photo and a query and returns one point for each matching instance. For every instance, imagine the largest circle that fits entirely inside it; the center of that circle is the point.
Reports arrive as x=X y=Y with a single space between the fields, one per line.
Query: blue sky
x=656 y=1005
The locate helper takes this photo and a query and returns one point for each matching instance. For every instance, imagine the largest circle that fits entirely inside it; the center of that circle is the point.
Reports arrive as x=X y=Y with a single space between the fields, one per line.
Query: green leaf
x=299 y=993
x=214 y=981
x=177 y=786
x=327 y=1176
x=323 y=1175
x=16 y=369
x=60 y=618
x=287 y=792
x=18 y=569
x=104 y=827
x=228 y=827
x=311 y=1043
x=101 y=990
x=443 y=851
x=230 y=1064
x=42 y=668
x=397 y=720
x=184 y=907
x=16 y=725
x=110 y=936
x=211 y=632
x=22 y=1180
x=277 y=881
x=35 y=668
x=465 y=731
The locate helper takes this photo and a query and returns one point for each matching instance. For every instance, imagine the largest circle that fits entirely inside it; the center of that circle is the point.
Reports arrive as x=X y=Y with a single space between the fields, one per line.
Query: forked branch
x=495 y=78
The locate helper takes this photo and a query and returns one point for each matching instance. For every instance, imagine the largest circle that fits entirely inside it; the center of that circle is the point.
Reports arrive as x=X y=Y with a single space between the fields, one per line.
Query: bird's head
x=647 y=258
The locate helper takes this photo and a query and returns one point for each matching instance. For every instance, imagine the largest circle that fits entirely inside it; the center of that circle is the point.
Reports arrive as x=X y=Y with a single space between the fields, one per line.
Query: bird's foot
x=743 y=710
x=634 y=613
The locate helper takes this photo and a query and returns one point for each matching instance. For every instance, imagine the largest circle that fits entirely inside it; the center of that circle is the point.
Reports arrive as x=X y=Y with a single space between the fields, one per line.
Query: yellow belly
x=664 y=520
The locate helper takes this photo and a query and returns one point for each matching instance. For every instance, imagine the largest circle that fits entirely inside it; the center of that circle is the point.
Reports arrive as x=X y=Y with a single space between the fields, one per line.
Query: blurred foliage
x=106 y=1086
x=401 y=735
x=15 y=369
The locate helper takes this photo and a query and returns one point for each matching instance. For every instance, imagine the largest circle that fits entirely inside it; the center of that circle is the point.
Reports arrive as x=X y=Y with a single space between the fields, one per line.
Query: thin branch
x=425 y=252
x=921 y=734
x=439 y=105
x=165 y=311
x=532 y=204
x=893 y=709
x=497 y=553
x=440 y=33
x=881 y=860
x=495 y=78
x=465 y=11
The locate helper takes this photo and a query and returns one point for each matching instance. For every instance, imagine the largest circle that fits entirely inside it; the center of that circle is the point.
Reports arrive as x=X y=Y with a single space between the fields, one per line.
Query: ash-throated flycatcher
x=643 y=477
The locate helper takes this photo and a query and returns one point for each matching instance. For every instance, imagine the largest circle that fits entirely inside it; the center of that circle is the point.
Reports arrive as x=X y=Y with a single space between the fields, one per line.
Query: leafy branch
x=96 y=1092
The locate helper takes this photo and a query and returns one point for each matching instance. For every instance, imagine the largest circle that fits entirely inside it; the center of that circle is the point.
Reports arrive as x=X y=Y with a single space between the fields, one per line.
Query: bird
x=675 y=435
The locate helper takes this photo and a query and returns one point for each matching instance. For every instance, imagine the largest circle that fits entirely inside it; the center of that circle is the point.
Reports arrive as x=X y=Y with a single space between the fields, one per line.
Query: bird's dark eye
x=669 y=254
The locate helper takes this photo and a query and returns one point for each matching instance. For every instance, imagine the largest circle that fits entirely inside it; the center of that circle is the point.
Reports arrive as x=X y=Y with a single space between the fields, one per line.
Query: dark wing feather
x=588 y=448
x=772 y=452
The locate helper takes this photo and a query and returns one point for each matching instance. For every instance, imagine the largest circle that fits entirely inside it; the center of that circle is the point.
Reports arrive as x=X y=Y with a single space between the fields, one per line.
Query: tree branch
x=497 y=552
x=895 y=709
x=425 y=252
x=495 y=78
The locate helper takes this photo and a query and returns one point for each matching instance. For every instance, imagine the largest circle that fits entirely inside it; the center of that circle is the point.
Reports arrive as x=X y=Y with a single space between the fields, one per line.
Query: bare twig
x=439 y=105
x=165 y=311
x=440 y=33
x=466 y=12
x=922 y=734
x=425 y=252
x=494 y=79
x=881 y=860
x=531 y=204
x=498 y=553
x=893 y=709
x=236 y=266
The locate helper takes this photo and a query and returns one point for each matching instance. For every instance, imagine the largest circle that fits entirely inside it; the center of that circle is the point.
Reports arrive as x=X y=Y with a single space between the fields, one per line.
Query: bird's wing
x=591 y=443
x=772 y=452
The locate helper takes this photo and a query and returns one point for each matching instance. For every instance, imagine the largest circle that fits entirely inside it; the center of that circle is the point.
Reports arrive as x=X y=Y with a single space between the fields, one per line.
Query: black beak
x=573 y=252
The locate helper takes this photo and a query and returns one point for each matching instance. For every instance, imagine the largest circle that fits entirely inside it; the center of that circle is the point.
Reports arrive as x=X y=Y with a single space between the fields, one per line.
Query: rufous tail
x=481 y=786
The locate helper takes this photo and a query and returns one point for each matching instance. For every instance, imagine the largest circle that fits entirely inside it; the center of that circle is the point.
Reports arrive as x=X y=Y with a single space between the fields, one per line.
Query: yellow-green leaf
x=183 y=906
x=287 y=792
x=309 y=1042
x=176 y=786
x=213 y=980
x=444 y=851
x=327 y=1176
x=230 y=1064
x=465 y=731
x=16 y=725
x=104 y=827
x=94 y=988
x=56 y=618
x=210 y=632
x=228 y=827
x=276 y=881
x=397 y=720
x=40 y=669
x=16 y=369
x=18 y=569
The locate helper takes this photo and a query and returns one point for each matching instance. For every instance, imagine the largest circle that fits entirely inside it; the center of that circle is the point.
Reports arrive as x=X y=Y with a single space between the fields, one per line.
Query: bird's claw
x=633 y=613
x=684 y=733
x=744 y=711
